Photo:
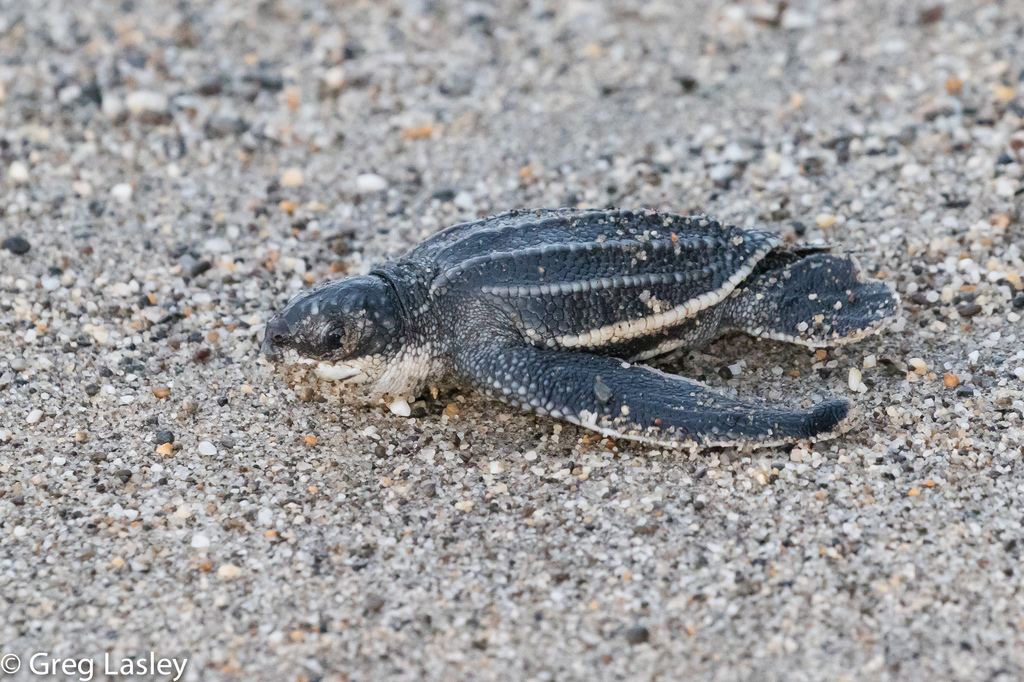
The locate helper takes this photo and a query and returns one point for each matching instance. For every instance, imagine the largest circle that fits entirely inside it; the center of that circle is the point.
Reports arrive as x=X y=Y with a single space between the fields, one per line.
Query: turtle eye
x=333 y=339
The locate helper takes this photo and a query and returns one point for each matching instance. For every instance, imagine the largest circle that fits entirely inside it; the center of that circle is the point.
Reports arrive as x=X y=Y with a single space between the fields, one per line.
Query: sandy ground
x=179 y=170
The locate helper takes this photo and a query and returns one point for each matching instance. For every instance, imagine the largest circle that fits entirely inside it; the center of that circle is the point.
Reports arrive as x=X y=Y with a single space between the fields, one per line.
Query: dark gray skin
x=548 y=310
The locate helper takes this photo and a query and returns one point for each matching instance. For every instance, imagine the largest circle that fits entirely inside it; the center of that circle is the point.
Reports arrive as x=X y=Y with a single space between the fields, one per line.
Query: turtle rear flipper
x=814 y=301
x=636 y=402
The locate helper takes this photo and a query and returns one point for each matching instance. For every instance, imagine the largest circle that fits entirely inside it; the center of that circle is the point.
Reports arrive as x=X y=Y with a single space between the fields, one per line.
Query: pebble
x=122 y=192
x=400 y=408
x=1005 y=187
x=217 y=245
x=113 y=108
x=291 y=177
x=207 y=449
x=223 y=126
x=334 y=77
x=1018 y=300
x=228 y=572
x=1019 y=373
x=16 y=245
x=18 y=172
x=148 y=106
x=200 y=541
x=950 y=380
x=373 y=603
x=161 y=392
x=854 y=379
x=638 y=635
x=211 y=85
x=969 y=309
x=825 y=220
x=369 y=182
x=164 y=436
x=34 y=416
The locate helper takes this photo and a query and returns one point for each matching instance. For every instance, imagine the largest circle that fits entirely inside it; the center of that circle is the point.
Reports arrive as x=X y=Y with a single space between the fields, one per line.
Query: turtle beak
x=276 y=338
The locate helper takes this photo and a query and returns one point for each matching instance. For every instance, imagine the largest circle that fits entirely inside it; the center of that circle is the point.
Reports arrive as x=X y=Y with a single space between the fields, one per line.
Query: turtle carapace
x=550 y=310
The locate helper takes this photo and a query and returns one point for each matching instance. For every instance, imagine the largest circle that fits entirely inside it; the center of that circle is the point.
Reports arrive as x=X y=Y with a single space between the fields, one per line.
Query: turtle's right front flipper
x=635 y=402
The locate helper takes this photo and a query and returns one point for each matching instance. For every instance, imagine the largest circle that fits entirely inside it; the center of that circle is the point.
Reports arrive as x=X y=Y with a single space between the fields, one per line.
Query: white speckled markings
x=629 y=329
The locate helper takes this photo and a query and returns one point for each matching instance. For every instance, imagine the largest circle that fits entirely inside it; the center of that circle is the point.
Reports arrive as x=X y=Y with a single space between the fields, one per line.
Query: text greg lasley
x=44 y=664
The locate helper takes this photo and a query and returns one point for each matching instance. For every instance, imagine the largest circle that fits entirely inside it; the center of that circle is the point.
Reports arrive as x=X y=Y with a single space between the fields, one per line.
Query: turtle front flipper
x=635 y=402
x=816 y=300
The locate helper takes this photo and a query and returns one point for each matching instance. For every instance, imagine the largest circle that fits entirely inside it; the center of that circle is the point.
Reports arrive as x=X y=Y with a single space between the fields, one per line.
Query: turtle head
x=351 y=325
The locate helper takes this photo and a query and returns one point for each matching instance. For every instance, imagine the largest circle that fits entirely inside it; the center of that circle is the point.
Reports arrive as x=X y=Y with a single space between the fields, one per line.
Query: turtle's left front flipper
x=635 y=401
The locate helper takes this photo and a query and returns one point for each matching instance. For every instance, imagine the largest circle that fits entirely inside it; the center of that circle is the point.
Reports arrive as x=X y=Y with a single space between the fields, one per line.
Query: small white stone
x=870 y=361
x=82 y=188
x=34 y=416
x=854 y=379
x=464 y=200
x=530 y=455
x=18 y=172
x=228 y=572
x=207 y=449
x=370 y=182
x=100 y=334
x=183 y=511
x=200 y=541
x=122 y=192
x=401 y=408
x=142 y=101
x=119 y=290
x=112 y=106
x=1019 y=372
x=217 y=245
x=334 y=77
x=1005 y=187
x=50 y=283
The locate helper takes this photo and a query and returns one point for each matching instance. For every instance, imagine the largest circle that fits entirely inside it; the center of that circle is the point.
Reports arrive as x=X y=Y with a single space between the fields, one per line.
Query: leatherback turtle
x=548 y=310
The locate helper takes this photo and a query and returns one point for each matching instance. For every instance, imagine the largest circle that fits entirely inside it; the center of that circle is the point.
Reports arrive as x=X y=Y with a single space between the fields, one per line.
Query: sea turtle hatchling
x=548 y=310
